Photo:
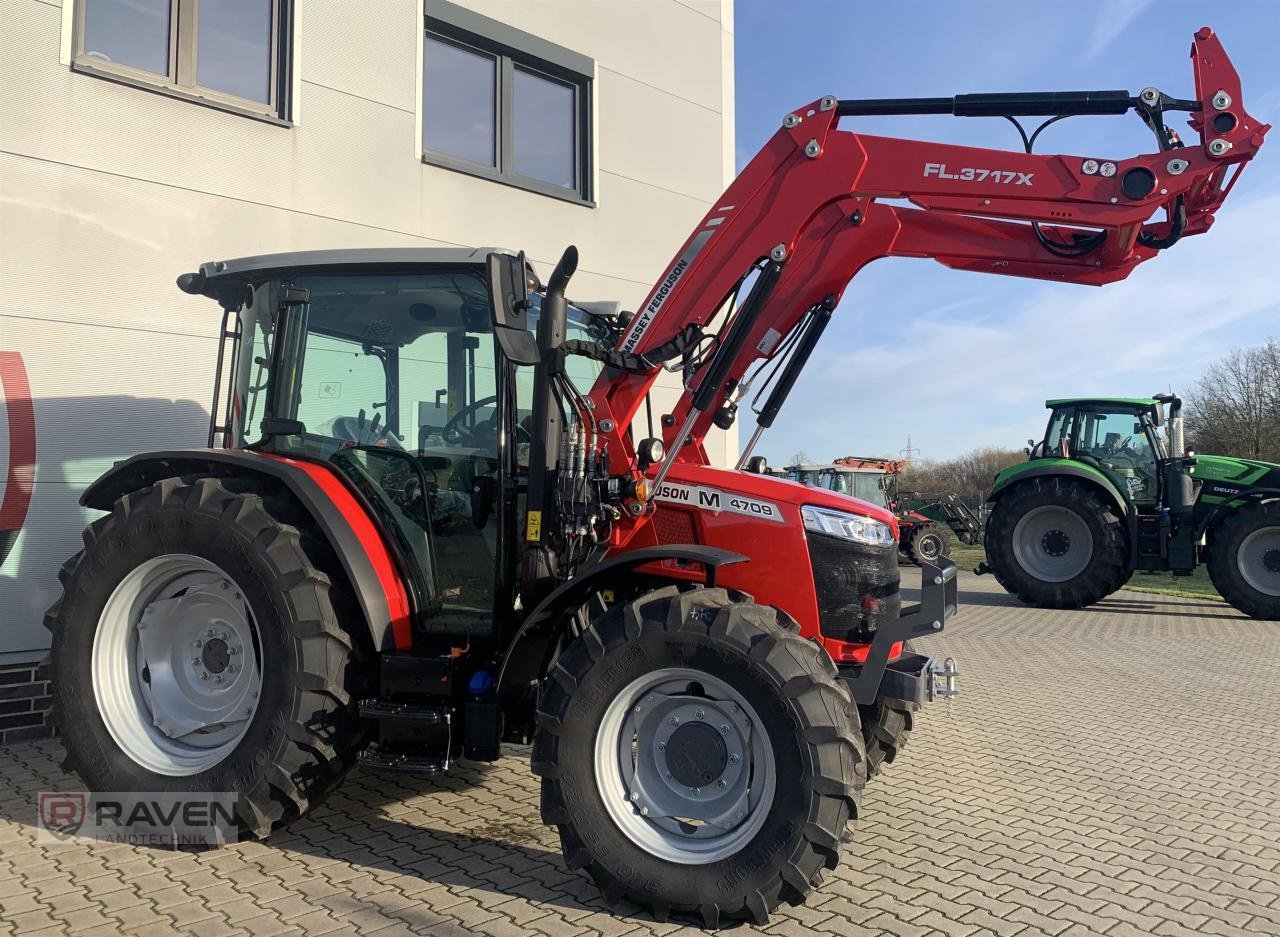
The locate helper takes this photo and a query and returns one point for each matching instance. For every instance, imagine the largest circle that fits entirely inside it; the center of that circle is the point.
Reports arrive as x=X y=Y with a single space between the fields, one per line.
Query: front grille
x=856 y=586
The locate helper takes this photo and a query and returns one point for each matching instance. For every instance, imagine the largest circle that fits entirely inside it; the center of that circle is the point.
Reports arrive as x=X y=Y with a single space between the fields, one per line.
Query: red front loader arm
x=812 y=208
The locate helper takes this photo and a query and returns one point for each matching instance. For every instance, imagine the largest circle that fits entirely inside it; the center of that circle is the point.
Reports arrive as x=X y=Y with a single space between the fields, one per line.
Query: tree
x=968 y=475
x=1235 y=407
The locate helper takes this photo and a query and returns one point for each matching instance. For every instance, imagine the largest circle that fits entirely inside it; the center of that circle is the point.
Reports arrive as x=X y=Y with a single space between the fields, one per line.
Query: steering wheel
x=364 y=432
x=452 y=433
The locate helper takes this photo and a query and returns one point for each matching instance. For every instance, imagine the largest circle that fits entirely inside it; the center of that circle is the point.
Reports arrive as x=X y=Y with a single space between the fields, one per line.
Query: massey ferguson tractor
x=1104 y=495
x=427 y=524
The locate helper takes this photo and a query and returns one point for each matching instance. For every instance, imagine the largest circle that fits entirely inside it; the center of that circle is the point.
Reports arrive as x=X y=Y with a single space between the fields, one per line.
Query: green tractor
x=1106 y=494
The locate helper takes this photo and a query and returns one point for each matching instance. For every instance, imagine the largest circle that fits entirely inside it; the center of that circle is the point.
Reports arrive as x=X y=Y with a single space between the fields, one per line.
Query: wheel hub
x=1056 y=543
x=216 y=655
x=1272 y=561
x=695 y=755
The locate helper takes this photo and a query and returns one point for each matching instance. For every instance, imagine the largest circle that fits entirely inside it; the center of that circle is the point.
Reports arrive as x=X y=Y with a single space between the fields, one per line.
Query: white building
x=139 y=138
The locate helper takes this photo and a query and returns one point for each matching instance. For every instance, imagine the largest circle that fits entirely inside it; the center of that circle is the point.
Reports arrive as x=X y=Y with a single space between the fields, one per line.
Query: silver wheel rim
x=175 y=665
x=929 y=547
x=1258 y=560
x=1052 y=543
x=684 y=812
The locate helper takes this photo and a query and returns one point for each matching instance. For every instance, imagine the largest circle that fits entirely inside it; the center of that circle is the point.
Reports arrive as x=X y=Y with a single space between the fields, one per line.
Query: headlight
x=846 y=526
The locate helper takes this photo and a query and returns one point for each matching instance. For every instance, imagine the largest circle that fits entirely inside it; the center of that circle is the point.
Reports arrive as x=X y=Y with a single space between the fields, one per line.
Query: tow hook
x=944 y=683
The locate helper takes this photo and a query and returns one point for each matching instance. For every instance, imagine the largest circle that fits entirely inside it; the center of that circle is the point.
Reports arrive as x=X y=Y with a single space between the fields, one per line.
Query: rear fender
x=1238 y=500
x=1008 y=478
x=374 y=575
x=530 y=648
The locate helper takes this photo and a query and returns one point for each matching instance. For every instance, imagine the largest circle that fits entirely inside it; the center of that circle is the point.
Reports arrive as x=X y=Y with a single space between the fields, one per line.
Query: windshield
x=400 y=361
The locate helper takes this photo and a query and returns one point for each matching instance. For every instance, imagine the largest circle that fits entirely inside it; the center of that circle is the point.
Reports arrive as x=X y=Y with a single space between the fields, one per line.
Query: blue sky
x=959 y=360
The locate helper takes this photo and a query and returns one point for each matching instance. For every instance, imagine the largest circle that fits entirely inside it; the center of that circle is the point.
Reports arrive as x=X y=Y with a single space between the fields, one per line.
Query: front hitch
x=909 y=677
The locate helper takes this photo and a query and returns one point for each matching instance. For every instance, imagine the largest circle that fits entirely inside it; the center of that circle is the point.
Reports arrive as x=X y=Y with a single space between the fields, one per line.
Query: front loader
x=1104 y=495
x=427 y=525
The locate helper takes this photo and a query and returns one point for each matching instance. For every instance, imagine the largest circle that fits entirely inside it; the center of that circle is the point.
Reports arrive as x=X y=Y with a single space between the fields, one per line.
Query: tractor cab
x=385 y=365
x=865 y=485
x=1120 y=436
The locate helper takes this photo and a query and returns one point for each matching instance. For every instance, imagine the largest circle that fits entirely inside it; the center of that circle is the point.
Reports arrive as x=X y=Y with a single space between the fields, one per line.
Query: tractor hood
x=1239 y=472
x=769 y=489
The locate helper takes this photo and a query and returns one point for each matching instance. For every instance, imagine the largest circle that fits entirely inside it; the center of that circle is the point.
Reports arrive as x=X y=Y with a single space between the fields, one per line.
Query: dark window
x=231 y=54
x=459 y=88
x=505 y=105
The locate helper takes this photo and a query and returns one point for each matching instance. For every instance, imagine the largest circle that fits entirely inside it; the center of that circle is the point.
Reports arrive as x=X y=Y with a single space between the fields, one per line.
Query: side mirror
x=509 y=300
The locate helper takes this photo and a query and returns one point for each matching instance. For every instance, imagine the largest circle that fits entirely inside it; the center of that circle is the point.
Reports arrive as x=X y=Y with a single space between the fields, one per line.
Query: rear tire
x=303 y=731
x=1244 y=560
x=929 y=544
x=1056 y=543
x=813 y=766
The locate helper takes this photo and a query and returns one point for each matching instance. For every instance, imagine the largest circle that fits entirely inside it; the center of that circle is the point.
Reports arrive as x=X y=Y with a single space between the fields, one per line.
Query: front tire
x=184 y=583
x=1055 y=543
x=1244 y=560
x=721 y=815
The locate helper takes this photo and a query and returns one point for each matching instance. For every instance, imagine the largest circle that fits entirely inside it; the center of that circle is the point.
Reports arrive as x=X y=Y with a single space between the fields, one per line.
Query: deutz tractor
x=434 y=515
x=1106 y=494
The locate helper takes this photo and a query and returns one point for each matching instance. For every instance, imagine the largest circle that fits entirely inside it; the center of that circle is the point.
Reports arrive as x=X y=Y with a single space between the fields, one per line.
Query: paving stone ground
x=1112 y=771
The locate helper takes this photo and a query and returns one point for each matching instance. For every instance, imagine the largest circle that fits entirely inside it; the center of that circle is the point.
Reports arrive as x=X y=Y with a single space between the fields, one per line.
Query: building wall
x=107 y=192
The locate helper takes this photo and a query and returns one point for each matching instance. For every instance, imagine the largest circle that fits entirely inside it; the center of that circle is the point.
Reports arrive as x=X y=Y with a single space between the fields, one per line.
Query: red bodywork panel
x=370 y=539
x=765 y=525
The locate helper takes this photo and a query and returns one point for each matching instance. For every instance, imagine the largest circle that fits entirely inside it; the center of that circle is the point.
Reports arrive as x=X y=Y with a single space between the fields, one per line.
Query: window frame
x=511 y=49
x=180 y=81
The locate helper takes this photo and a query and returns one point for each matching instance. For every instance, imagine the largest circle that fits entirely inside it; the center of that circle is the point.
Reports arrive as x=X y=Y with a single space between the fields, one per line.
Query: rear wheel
x=929 y=544
x=1244 y=560
x=198 y=645
x=698 y=756
x=1056 y=543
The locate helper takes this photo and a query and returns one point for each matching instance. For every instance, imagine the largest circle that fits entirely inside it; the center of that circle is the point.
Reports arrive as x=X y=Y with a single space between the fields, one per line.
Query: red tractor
x=424 y=525
x=922 y=537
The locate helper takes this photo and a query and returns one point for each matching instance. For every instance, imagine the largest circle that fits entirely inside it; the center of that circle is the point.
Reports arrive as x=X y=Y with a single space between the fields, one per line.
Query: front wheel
x=698 y=756
x=1056 y=543
x=928 y=545
x=198 y=645
x=1244 y=560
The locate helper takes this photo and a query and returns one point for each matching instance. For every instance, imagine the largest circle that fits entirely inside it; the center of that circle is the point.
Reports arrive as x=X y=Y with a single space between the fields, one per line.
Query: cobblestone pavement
x=1113 y=771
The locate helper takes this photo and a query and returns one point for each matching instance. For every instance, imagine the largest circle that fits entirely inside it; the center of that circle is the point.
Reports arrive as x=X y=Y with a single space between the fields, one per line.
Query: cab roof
x=1141 y=402
x=217 y=275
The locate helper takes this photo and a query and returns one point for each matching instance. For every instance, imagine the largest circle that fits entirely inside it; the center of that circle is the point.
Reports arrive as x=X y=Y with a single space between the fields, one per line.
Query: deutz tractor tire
x=1056 y=543
x=199 y=645
x=928 y=544
x=698 y=756
x=1244 y=560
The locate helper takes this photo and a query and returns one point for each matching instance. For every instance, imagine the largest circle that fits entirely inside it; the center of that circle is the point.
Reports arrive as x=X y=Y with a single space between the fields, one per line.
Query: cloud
x=1114 y=17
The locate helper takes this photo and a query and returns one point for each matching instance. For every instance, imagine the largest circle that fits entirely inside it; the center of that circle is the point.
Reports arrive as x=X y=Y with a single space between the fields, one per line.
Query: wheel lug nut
x=218 y=679
x=644 y=811
x=231 y=668
x=733 y=759
x=204 y=675
x=209 y=633
x=195 y=661
x=662 y=746
x=695 y=791
x=724 y=730
x=722 y=784
x=675 y=720
x=699 y=714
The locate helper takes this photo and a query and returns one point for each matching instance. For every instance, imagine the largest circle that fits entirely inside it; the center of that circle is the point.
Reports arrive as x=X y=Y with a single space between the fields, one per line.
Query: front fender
x=529 y=648
x=1039 y=468
x=373 y=572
